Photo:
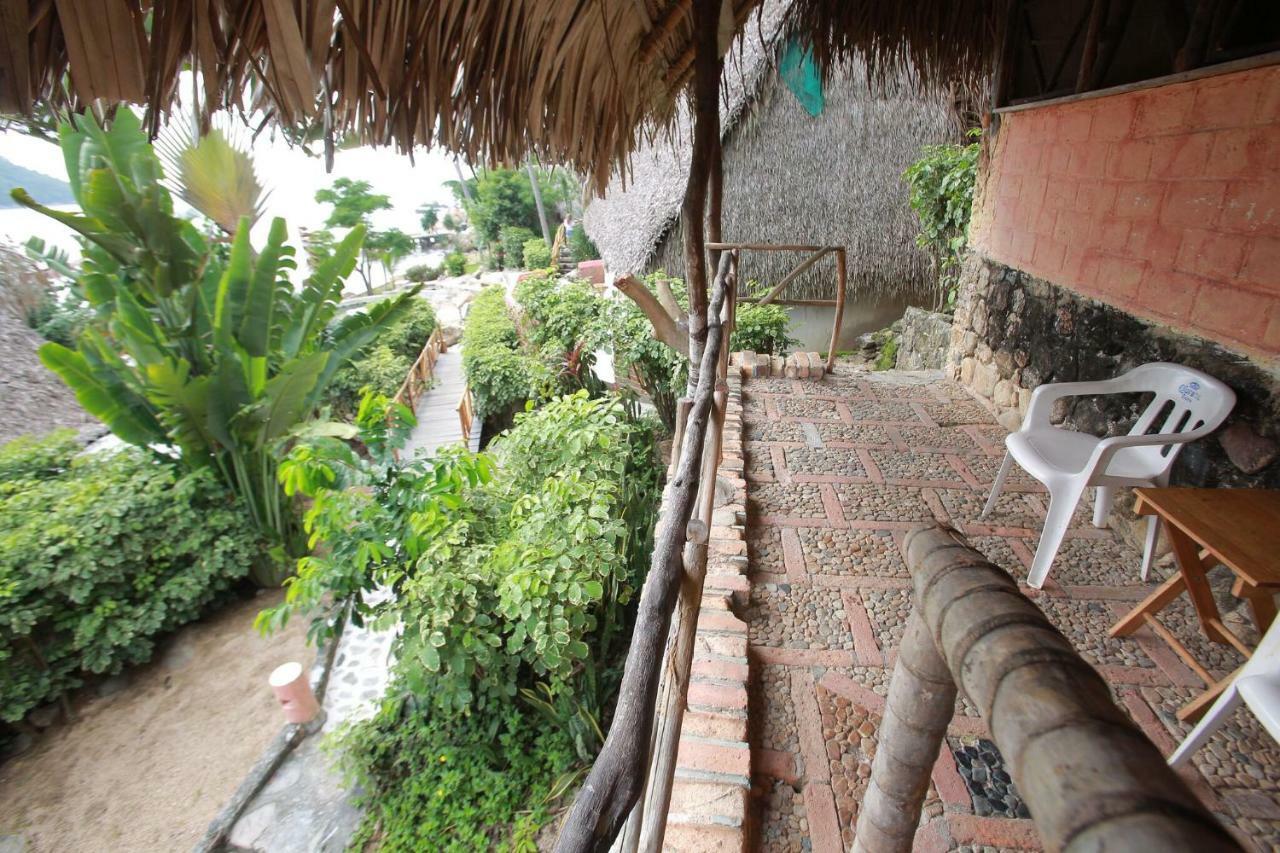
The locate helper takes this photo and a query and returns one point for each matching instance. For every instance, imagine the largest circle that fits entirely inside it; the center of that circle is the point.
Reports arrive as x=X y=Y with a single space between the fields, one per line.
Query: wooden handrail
x=466 y=414
x=422 y=371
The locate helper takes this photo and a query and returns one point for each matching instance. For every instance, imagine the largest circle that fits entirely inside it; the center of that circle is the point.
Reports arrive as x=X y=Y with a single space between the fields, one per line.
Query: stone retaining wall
x=709 y=800
x=926 y=339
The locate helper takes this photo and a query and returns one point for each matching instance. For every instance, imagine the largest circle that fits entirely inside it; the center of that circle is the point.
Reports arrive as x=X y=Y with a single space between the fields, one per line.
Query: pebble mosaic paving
x=859 y=459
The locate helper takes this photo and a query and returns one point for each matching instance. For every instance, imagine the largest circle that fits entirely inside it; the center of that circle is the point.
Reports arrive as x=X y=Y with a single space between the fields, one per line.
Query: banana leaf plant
x=199 y=348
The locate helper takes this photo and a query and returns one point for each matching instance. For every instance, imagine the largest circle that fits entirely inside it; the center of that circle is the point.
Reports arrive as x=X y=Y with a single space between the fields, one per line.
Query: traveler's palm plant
x=198 y=345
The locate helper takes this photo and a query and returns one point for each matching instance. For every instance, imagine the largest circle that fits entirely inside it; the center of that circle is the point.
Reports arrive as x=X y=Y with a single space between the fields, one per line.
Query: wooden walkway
x=437 y=410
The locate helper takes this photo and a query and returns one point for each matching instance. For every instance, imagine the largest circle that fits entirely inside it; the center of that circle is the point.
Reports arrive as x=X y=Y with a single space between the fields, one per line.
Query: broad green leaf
x=254 y=331
x=126 y=414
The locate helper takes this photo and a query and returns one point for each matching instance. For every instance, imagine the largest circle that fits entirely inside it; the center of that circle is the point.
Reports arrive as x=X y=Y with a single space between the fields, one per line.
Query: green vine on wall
x=942 y=183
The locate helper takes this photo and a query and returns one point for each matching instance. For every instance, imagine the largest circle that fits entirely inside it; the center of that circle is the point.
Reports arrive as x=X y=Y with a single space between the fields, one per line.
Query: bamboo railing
x=816 y=253
x=1090 y=778
x=628 y=790
x=422 y=371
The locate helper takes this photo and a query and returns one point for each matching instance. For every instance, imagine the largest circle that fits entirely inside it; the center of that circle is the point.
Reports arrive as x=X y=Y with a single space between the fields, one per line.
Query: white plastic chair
x=1257 y=685
x=1192 y=405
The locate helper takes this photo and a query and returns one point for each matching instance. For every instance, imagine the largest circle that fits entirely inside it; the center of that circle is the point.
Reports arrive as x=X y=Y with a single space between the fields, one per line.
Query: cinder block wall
x=1163 y=202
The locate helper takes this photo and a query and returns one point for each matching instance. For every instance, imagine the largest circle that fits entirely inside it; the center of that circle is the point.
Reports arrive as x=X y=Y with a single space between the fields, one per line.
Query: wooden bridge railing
x=422 y=371
x=466 y=414
x=1090 y=778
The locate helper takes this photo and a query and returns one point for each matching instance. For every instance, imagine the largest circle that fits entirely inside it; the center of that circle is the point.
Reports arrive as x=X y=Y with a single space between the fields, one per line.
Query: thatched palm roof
x=577 y=82
x=789 y=177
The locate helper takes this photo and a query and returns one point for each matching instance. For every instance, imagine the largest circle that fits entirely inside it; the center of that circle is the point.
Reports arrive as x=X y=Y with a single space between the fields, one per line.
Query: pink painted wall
x=1164 y=202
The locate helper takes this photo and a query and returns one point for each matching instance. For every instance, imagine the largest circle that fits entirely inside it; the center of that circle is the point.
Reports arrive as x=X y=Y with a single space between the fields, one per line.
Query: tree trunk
x=537 y=201
x=706 y=134
x=618 y=775
x=1090 y=778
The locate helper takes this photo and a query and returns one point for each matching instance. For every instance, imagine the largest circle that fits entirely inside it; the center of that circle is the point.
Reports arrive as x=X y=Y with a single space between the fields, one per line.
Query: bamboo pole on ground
x=617 y=777
x=1090 y=778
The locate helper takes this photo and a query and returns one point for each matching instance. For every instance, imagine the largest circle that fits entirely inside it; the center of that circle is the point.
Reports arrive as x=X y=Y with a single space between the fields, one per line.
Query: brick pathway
x=838 y=470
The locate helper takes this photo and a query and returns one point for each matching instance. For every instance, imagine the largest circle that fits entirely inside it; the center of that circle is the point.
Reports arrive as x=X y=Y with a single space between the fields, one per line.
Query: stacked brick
x=713 y=765
x=798 y=365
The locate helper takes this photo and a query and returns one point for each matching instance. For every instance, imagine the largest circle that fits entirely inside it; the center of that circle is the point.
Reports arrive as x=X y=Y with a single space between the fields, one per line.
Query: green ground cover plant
x=99 y=556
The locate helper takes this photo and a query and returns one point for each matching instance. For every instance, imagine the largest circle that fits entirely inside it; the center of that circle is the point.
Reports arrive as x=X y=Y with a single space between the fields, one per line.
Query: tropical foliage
x=215 y=176
x=100 y=555
x=941 y=184
x=496 y=370
x=199 y=349
x=537 y=254
x=762 y=329
x=512 y=240
x=383 y=366
x=498 y=198
x=354 y=203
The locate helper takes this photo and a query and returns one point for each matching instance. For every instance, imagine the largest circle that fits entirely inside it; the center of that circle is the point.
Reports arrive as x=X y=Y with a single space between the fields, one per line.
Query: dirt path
x=147 y=768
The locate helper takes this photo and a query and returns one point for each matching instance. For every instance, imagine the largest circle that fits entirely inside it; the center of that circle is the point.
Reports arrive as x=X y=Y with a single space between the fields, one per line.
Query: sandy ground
x=147 y=768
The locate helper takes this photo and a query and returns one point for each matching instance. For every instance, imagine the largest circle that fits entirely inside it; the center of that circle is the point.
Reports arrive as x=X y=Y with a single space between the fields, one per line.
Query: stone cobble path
x=838 y=469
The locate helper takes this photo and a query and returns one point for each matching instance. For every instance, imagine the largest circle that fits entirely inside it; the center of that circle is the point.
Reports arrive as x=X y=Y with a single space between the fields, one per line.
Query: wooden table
x=1239 y=528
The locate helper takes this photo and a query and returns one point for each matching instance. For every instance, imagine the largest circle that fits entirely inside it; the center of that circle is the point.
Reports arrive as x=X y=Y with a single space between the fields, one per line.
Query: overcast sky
x=290 y=175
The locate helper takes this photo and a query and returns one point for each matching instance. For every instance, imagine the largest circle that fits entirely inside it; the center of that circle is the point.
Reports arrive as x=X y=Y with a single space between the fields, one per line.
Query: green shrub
x=560 y=314
x=455 y=263
x=419 y=273
x=659 y=370
x=381 y=370
x=496 y=370
x=762 y=329
x=512 y=239
x=941 y=184
x=452 y=784
x=581 y=246
x=537 y=254
x=60 y=318
x=408 y=335
x=30 y=458
x=99 y=560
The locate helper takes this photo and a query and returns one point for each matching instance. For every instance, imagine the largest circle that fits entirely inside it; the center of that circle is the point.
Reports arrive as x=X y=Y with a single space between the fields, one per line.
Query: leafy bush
x=60 y=317
x=496 y=370
x=537 y=254
x=409 y=334
x=381 y=370
x=560 y=314
x=659 y=370
x=101 y=555
x=437 y=782
x=581 y=246
x=419 y=273
x=941 y=183
x=455 y=263
x=508 y=568
x=30 y=458
x=762 y=329
x=512 y=239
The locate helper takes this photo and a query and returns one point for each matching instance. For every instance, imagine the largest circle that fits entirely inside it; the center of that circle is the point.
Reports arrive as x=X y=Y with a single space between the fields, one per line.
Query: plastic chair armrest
x=1109 y=446
x=1043 y=397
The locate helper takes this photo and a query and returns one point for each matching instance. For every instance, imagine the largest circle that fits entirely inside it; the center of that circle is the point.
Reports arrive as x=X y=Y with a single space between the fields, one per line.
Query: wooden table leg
x=1194 y=710
x=1262 y=602
x=1153 y=603
x=1187 y=554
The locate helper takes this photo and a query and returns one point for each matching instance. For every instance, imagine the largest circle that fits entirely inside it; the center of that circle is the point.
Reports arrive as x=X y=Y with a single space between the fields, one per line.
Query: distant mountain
x=42 y=188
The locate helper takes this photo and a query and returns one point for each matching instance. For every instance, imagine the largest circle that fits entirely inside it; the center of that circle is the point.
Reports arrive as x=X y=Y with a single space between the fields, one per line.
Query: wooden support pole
x=617 y=777
x=706 y=135
x=842 y=283
x=1090 y=778
x=1097 y=16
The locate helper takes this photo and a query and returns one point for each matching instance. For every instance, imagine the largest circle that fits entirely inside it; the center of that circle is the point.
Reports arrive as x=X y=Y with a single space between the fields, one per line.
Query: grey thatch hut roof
x=33 y=399
x=834 y=179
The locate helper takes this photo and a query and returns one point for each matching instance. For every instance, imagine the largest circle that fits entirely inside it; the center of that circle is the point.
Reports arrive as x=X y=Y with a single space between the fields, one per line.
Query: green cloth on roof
x=800 y=73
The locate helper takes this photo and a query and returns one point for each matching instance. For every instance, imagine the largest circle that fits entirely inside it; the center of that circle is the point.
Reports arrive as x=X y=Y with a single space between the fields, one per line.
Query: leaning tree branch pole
x=1091 y=779
x=706 y=133
x=666 y=328
x=618 y=775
